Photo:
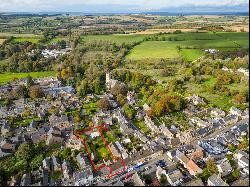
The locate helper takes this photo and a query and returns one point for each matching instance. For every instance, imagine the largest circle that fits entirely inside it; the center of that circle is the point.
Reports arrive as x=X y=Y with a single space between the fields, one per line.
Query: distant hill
x=231 y=9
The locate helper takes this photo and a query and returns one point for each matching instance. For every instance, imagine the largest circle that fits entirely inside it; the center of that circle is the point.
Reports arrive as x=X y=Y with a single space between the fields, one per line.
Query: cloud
x=67 y=5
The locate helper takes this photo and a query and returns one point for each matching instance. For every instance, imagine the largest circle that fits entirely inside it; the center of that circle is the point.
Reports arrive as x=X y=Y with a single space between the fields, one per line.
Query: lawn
x=154 y=49
x=6 y=77
x=104 y=153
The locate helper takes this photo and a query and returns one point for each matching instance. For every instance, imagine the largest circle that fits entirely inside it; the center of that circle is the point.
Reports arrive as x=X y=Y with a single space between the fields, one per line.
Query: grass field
x=153 y=49
x=33 y=40
x=191 y=54
x=36 y=39
x=8 y=34
x=6 y=77
x=192 y=44
x=119 y=39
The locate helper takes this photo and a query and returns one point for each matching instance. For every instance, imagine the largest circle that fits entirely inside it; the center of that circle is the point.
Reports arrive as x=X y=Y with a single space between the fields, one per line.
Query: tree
x=121 y=99
x=211 y=166
x=97 y=86
x=67 y=72
x=119 y=89
x=65 y=154
x=8 y=102
x=149 y=113
x=24 y=151
x=104 y=103
x=82 y=89
x=30 y=81
x=19 y=92
x=159 y=108
x=62 y=44
x=148 y=179
x=36 y=92
x=239 y=99
x=163 y=180
x=205 y=175
x=36 y=162
x=235 y=175
x=129 y=111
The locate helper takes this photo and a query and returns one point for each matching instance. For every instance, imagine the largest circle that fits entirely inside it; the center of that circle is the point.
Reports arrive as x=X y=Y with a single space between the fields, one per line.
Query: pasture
x=192 y=45
x=190 y=55
x=8 y=34
x=115 y=38
x=8 y=76
x=32 y=40
x=153 y=49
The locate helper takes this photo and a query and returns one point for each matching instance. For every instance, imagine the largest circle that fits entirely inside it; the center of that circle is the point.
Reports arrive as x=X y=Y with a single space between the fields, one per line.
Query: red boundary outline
x=100 y=128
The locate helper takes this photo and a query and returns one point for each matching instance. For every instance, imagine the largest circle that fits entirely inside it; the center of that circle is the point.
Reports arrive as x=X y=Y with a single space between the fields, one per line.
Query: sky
x=107 y=5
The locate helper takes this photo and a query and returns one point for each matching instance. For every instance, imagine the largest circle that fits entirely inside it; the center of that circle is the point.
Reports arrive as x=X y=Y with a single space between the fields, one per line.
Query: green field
x=209 y=36
x=119 y=39
x=7 y=34
x=153 y=49
x=6 y=77
x=192 y=45
x=33 y=40
x=191 y=54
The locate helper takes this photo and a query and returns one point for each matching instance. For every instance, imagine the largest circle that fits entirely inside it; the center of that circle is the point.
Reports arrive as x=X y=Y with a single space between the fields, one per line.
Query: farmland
x=9 y=34
x=153 y=49
x=192 y=45
x=32 y=40
x=191 y=54
x=119 y=39
x=6 y=77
